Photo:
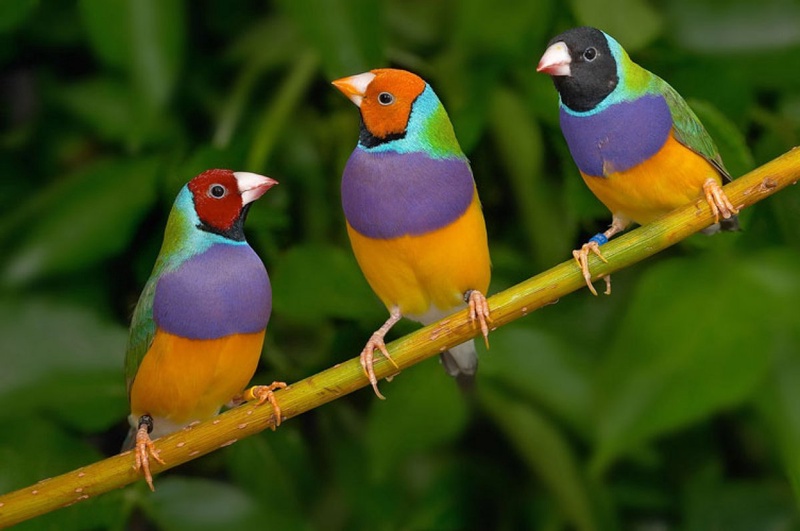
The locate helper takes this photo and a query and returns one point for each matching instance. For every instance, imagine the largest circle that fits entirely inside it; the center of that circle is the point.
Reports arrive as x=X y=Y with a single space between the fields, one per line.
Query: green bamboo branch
x=314 y=391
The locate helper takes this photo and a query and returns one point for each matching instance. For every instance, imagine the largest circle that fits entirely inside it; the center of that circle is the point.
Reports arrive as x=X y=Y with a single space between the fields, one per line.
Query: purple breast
x=619 y=137
x=220 y=292
x=387 y=194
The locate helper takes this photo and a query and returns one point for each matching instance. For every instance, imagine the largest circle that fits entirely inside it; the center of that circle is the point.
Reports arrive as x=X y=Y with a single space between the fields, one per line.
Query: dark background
x=672 y=404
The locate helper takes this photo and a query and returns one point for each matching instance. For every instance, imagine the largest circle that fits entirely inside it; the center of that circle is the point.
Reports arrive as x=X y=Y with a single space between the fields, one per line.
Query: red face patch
x=386 y=106
x=217 y=200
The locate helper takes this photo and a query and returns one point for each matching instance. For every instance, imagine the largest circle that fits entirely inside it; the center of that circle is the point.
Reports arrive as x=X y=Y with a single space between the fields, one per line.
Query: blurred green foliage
x=672 y=404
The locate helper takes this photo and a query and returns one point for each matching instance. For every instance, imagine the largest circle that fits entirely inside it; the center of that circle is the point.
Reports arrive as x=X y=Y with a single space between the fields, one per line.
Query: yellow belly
x=183 y=380
x=415 y=272
x=671 y=178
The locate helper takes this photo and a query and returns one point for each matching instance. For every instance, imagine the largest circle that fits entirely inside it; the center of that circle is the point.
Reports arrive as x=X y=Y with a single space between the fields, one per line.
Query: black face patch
x=235 y=232
x=593 y=70
x=368 y=140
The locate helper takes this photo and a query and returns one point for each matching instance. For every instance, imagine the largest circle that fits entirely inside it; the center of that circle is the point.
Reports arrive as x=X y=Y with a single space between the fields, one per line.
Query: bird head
x=583 y=67
x=222 y=198
x=385 y=98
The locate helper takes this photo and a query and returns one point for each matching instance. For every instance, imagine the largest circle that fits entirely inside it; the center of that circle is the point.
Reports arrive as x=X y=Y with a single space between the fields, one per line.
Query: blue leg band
x=599 y=238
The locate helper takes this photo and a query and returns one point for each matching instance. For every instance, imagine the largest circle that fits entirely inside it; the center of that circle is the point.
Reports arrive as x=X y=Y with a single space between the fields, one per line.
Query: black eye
x=385 y=98
x=217 y=191
x=589 y=54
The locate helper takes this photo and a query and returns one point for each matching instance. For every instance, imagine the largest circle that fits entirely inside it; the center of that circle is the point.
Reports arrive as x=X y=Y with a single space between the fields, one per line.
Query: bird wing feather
x=688 y=129
x=143 y=331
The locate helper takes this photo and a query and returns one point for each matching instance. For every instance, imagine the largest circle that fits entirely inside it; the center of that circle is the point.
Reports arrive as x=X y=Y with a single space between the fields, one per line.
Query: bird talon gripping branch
x=479 y=312
x=581 y=256
x=718 y=200
x=264 y=394
x=144 y=449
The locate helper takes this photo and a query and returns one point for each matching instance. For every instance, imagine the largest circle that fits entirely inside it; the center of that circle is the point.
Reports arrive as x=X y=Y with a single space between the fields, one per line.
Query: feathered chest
x=388 y=194
x=224 y=290
x=618 y=137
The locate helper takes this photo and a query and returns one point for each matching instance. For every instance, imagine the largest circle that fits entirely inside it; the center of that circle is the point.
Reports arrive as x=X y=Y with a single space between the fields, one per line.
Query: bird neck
x=429 y=131
x=184 y=237
x=633 y=83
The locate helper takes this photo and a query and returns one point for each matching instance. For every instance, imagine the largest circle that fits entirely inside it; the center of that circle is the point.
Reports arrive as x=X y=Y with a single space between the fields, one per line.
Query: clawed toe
x=582 y=258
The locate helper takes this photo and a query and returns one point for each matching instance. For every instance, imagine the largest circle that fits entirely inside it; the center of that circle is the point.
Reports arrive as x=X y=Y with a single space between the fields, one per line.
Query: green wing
x=688 y=129
x=143 y=330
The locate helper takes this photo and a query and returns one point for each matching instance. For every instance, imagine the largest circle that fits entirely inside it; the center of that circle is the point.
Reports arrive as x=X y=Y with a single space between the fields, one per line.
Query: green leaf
x=308 y=282
x=634 y=23
x=32 y=450
x=278 y=110
x=104 y=104
x=424 y=410
x=348 y=38
x=521 y=152
x=14 y=13
x=198 y=504
x=106 y=26
x=739 y=25
x=778 y=401
x=739 y=506
x=36 y=449
x=80 y=221
x=74 y=369
x=501 y=28
x=144 y=38
x=107 y=106
x=466 y=97
x=444 y=484
x=694 y=341
x=786 y=209
x=277 y=468
x=543 y=370
x=91 y=401
x=546 y=452
x=157 y=31
x=730 y=141
x=258 y=60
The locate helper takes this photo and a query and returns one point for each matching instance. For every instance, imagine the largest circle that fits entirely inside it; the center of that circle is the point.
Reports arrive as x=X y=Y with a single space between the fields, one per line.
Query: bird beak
x=354 y=87
x=556 y=60
x=252 y=185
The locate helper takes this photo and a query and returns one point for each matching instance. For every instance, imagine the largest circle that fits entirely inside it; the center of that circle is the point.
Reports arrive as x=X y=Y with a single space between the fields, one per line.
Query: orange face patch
x=387 y=102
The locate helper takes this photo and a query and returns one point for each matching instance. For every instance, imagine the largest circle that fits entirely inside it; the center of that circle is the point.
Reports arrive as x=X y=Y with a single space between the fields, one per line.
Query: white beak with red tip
x=556 y=60
x=252 y=185
x=354 y=87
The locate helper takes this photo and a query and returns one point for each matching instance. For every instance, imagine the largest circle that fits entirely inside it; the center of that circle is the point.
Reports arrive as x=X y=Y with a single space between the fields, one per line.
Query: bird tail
x=731 y=224
x=728 y=225
x=130 y=440
x=461 y=362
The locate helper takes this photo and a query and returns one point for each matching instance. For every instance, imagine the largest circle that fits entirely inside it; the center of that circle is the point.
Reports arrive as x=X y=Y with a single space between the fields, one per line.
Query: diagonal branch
x=344 y=378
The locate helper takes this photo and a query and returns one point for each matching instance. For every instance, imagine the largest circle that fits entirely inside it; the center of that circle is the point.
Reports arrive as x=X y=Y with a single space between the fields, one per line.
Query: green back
x=143 y=330
x=689 y=131
x=636 y=81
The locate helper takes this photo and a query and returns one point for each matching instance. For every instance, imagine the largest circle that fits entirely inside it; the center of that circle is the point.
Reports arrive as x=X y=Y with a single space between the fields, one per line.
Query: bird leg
x=145 y=449
x=479 y=310
x=618 y=224
x=718 y=201
x=264 y=394
x=376 y=342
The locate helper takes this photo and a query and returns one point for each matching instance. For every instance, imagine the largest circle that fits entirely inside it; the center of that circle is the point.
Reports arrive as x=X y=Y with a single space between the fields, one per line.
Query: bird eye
x=589 y=54
x=217 y=191
x=385 y=98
